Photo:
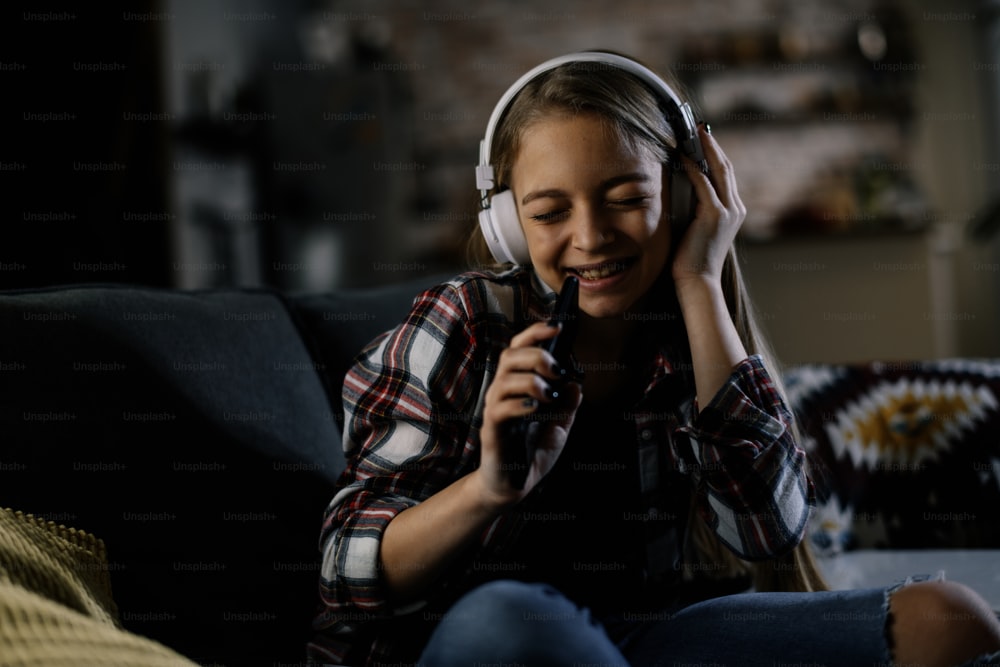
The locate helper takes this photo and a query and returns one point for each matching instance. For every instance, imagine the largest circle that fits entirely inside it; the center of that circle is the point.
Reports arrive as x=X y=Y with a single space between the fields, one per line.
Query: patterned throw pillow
x=905 y=455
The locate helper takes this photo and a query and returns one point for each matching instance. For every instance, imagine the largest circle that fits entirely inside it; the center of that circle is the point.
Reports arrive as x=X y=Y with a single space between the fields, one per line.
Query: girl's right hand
x=522 y=385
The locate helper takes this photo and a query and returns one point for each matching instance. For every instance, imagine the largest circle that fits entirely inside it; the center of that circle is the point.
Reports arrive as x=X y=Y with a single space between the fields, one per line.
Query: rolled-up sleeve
x=750 y=478
x=408 y=404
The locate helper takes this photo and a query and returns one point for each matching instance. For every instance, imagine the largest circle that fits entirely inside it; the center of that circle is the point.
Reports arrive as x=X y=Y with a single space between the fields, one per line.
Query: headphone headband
x=681 y=111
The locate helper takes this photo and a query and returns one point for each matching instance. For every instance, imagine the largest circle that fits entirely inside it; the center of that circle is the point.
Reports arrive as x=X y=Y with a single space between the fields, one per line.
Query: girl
x=666 y=458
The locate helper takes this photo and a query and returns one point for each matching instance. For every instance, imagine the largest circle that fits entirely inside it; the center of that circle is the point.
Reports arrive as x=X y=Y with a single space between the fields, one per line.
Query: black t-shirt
x=583 y=529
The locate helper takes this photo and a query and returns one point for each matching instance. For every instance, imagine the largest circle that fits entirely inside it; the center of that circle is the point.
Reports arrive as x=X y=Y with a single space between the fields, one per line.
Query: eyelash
x=548 y=217
x=627 y=203
x=630 y=202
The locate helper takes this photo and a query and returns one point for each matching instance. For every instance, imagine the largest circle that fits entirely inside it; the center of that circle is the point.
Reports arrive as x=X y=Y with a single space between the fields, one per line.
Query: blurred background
x=311 y=145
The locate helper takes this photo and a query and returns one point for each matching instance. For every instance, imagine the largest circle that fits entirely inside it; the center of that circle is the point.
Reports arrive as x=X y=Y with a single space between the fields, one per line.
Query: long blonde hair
x=635 y=114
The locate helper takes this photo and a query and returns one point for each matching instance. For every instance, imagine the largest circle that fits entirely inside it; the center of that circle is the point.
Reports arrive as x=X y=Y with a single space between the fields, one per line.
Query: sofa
x=906 y=458
x=198 y=434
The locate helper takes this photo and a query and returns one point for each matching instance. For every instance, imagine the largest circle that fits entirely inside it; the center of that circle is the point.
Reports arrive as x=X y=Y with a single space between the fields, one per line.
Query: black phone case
x=518 y=447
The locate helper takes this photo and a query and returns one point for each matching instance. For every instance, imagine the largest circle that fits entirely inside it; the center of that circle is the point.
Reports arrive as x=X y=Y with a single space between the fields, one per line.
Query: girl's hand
x=718 y=216
x=523 y=384
x=716 y=345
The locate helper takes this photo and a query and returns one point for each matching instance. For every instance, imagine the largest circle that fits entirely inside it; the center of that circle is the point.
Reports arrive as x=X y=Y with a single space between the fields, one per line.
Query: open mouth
x=602 y=270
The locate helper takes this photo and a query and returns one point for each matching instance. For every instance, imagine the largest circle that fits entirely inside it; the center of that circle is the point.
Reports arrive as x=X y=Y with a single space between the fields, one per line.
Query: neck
x=606 y=351
x=608 y=339
x=603 y=339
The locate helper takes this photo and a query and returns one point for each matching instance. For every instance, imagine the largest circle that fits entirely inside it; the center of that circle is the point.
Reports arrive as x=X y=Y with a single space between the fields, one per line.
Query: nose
x=591 y=230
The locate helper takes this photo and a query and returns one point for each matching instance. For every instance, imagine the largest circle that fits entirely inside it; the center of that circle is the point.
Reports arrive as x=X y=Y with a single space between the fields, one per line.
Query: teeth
x=601 y=272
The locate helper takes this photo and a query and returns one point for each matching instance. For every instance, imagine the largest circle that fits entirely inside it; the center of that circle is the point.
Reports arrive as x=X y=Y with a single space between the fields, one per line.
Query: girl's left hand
x=718 y=216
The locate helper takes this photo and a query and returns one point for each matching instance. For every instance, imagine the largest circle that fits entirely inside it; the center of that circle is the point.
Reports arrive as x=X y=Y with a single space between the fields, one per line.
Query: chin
x=604 y=309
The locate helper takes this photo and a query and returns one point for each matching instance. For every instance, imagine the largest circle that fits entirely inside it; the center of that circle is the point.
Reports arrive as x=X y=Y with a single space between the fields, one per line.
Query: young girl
x=667 y=445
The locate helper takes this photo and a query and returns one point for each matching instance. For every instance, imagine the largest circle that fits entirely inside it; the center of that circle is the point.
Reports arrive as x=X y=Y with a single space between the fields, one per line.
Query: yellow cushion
x=56 y=606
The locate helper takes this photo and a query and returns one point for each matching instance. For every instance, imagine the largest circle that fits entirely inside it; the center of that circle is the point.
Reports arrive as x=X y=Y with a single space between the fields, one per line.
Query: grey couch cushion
x=193 y=434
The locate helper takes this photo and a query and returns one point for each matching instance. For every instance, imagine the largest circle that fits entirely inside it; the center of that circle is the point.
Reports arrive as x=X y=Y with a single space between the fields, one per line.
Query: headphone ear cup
x=488 y=228
x=682 y=202
x=502 y=229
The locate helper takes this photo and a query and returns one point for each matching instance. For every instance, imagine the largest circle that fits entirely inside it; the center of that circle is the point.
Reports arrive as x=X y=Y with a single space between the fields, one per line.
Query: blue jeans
x=506 y=623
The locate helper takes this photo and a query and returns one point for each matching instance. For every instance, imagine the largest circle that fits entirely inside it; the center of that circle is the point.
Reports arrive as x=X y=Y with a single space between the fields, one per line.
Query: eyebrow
x=614 y=181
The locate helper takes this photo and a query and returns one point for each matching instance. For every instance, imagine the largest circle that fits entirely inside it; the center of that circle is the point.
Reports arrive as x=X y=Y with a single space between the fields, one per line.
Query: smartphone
x=517 y=442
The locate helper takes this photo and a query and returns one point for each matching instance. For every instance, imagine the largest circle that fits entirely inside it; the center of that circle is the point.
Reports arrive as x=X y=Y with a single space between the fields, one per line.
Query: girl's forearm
x=422 y=541
x=716 y=347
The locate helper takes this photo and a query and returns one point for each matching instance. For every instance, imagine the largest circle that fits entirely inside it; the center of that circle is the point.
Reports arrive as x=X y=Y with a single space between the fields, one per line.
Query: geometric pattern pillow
x=905 y=454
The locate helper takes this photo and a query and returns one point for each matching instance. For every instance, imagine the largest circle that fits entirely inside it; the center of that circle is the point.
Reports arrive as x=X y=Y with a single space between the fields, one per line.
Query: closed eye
x=550 y=216
x=629 y=202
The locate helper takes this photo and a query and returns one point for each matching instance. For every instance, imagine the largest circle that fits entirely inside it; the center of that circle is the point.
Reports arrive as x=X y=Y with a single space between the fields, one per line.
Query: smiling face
x=591 y=206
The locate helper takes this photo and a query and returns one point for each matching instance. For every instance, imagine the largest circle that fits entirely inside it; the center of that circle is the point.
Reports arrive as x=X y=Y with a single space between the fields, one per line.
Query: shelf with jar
x=816 y=115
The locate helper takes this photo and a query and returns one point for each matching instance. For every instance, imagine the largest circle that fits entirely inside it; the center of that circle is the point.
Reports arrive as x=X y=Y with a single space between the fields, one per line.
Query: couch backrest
x=198 y=434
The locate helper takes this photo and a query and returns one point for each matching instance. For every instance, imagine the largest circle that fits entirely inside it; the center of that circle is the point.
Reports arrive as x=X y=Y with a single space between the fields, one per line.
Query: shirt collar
x=542 y=297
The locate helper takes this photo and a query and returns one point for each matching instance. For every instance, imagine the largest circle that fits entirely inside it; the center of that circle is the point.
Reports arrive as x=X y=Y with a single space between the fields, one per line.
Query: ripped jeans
x=511 y=623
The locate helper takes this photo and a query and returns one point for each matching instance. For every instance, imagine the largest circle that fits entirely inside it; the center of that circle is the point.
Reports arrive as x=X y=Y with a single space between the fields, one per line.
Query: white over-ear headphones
x=498 y=217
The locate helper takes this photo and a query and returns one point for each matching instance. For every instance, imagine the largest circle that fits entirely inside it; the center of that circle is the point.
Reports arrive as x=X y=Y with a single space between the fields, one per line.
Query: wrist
x=485 y=499
x=699 y=291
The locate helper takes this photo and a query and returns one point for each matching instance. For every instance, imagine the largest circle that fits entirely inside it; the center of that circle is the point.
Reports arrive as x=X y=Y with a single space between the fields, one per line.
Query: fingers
x=535 y=334
x=529 y=389
x=524 y=355
x=721 y=172
x=526 y=376
x=718 y=188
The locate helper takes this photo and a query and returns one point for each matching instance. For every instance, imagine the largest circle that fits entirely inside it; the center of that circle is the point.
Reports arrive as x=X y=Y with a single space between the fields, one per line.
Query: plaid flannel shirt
x=413 y=409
